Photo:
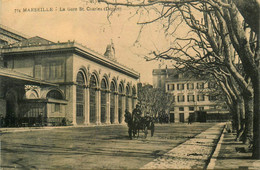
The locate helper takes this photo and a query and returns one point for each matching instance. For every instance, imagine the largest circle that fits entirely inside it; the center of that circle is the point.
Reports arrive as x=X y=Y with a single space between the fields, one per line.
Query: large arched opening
x=112 y=102
x=120 y=103
x=103 y=100
x=92 y=99
x=80 y=98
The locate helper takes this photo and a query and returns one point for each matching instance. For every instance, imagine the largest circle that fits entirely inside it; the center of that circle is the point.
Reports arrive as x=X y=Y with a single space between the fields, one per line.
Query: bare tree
x=223 y=27
x=154 y=101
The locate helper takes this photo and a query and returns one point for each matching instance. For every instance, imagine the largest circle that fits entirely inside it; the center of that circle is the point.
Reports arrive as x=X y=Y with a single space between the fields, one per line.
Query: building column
x=74 y=104
x=98 y=106
x=108 y=108
x=116 y=109
x=86 y=122
x=123 y=109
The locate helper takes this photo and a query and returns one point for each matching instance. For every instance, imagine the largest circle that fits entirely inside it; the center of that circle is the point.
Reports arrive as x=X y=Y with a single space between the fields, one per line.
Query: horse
x=144 y=124
x=136 y=124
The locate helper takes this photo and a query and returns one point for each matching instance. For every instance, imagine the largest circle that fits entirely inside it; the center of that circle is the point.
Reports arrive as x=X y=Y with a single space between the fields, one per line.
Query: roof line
x=14 y=31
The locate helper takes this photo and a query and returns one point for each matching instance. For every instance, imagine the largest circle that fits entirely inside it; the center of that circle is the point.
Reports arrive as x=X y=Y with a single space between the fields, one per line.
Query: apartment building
x=190 y=94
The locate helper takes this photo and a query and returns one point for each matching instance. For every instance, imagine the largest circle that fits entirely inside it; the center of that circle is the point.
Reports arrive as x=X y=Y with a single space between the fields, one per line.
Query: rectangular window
x=190 y=98
x=170 y=87
x=200 y=85
x=180 y=86
x=200 y=97
x=181 y=108
x=190 y=86
x=191 y=108
x=181 y=98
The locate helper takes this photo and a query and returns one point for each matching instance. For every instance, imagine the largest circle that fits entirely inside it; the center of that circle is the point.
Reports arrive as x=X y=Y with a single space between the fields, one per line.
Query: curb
x=198 y=152
x=213 y=157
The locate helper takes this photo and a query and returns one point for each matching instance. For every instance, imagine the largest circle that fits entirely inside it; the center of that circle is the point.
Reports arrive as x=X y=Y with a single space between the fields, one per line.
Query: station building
x=191 y=94
x=57 y=81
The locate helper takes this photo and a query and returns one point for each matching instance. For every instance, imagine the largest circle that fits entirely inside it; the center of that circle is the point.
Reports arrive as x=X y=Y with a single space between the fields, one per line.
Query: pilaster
x=108 y=108
x=86 y=122
x=123 y=109
x=116 y=109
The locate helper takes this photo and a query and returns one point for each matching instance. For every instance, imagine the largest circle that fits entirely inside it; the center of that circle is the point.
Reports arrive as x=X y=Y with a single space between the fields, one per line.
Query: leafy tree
x=154 y=101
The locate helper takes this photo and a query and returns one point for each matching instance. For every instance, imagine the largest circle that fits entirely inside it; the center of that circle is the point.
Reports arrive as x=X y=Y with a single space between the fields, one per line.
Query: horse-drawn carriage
x=137 y=123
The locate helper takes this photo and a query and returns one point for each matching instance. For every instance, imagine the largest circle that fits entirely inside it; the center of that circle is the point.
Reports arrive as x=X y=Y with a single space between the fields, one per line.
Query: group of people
x=137 y=121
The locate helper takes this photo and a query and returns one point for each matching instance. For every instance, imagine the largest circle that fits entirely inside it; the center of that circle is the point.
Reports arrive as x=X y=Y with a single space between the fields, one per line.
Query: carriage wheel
x=152 y=129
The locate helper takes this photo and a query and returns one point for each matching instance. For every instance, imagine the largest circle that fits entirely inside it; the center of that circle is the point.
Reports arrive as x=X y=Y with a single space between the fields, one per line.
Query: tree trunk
x=235 y=118
x=249 y=109
x=242 y=119
x=238 y=119
x=256 y=87
x=256 y=121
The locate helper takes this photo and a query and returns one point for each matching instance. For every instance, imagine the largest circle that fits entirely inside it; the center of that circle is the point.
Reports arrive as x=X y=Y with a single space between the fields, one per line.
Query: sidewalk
x=233 y=155
x=192 y=154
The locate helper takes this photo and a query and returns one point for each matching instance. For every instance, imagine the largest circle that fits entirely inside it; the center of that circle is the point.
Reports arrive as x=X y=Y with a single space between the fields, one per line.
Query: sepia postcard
x=129 y=84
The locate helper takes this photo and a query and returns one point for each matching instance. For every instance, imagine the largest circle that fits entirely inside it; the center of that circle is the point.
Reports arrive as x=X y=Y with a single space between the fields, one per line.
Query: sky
x=90 y=27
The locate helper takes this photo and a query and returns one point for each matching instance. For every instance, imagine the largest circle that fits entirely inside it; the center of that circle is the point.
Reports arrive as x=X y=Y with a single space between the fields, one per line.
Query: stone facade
x=87 y=87
x=190 y=94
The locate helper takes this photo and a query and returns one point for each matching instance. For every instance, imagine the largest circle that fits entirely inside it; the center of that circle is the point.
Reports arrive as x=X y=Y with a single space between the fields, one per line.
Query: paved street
x=91 y=147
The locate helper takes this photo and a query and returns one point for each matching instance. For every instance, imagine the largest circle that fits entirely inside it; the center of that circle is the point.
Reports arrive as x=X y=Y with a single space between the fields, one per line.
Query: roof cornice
x=74 y=48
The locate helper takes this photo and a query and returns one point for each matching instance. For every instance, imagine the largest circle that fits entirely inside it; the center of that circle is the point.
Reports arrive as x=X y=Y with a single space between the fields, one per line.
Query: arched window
x=54 y=94
x=112 y=102
x=126 y=98
x=80 y=98
x=92 y=98
x=120 y=103
x=103 y=101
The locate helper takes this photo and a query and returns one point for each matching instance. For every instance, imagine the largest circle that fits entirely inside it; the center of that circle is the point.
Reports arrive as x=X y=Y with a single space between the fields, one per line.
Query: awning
x=21 y=78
